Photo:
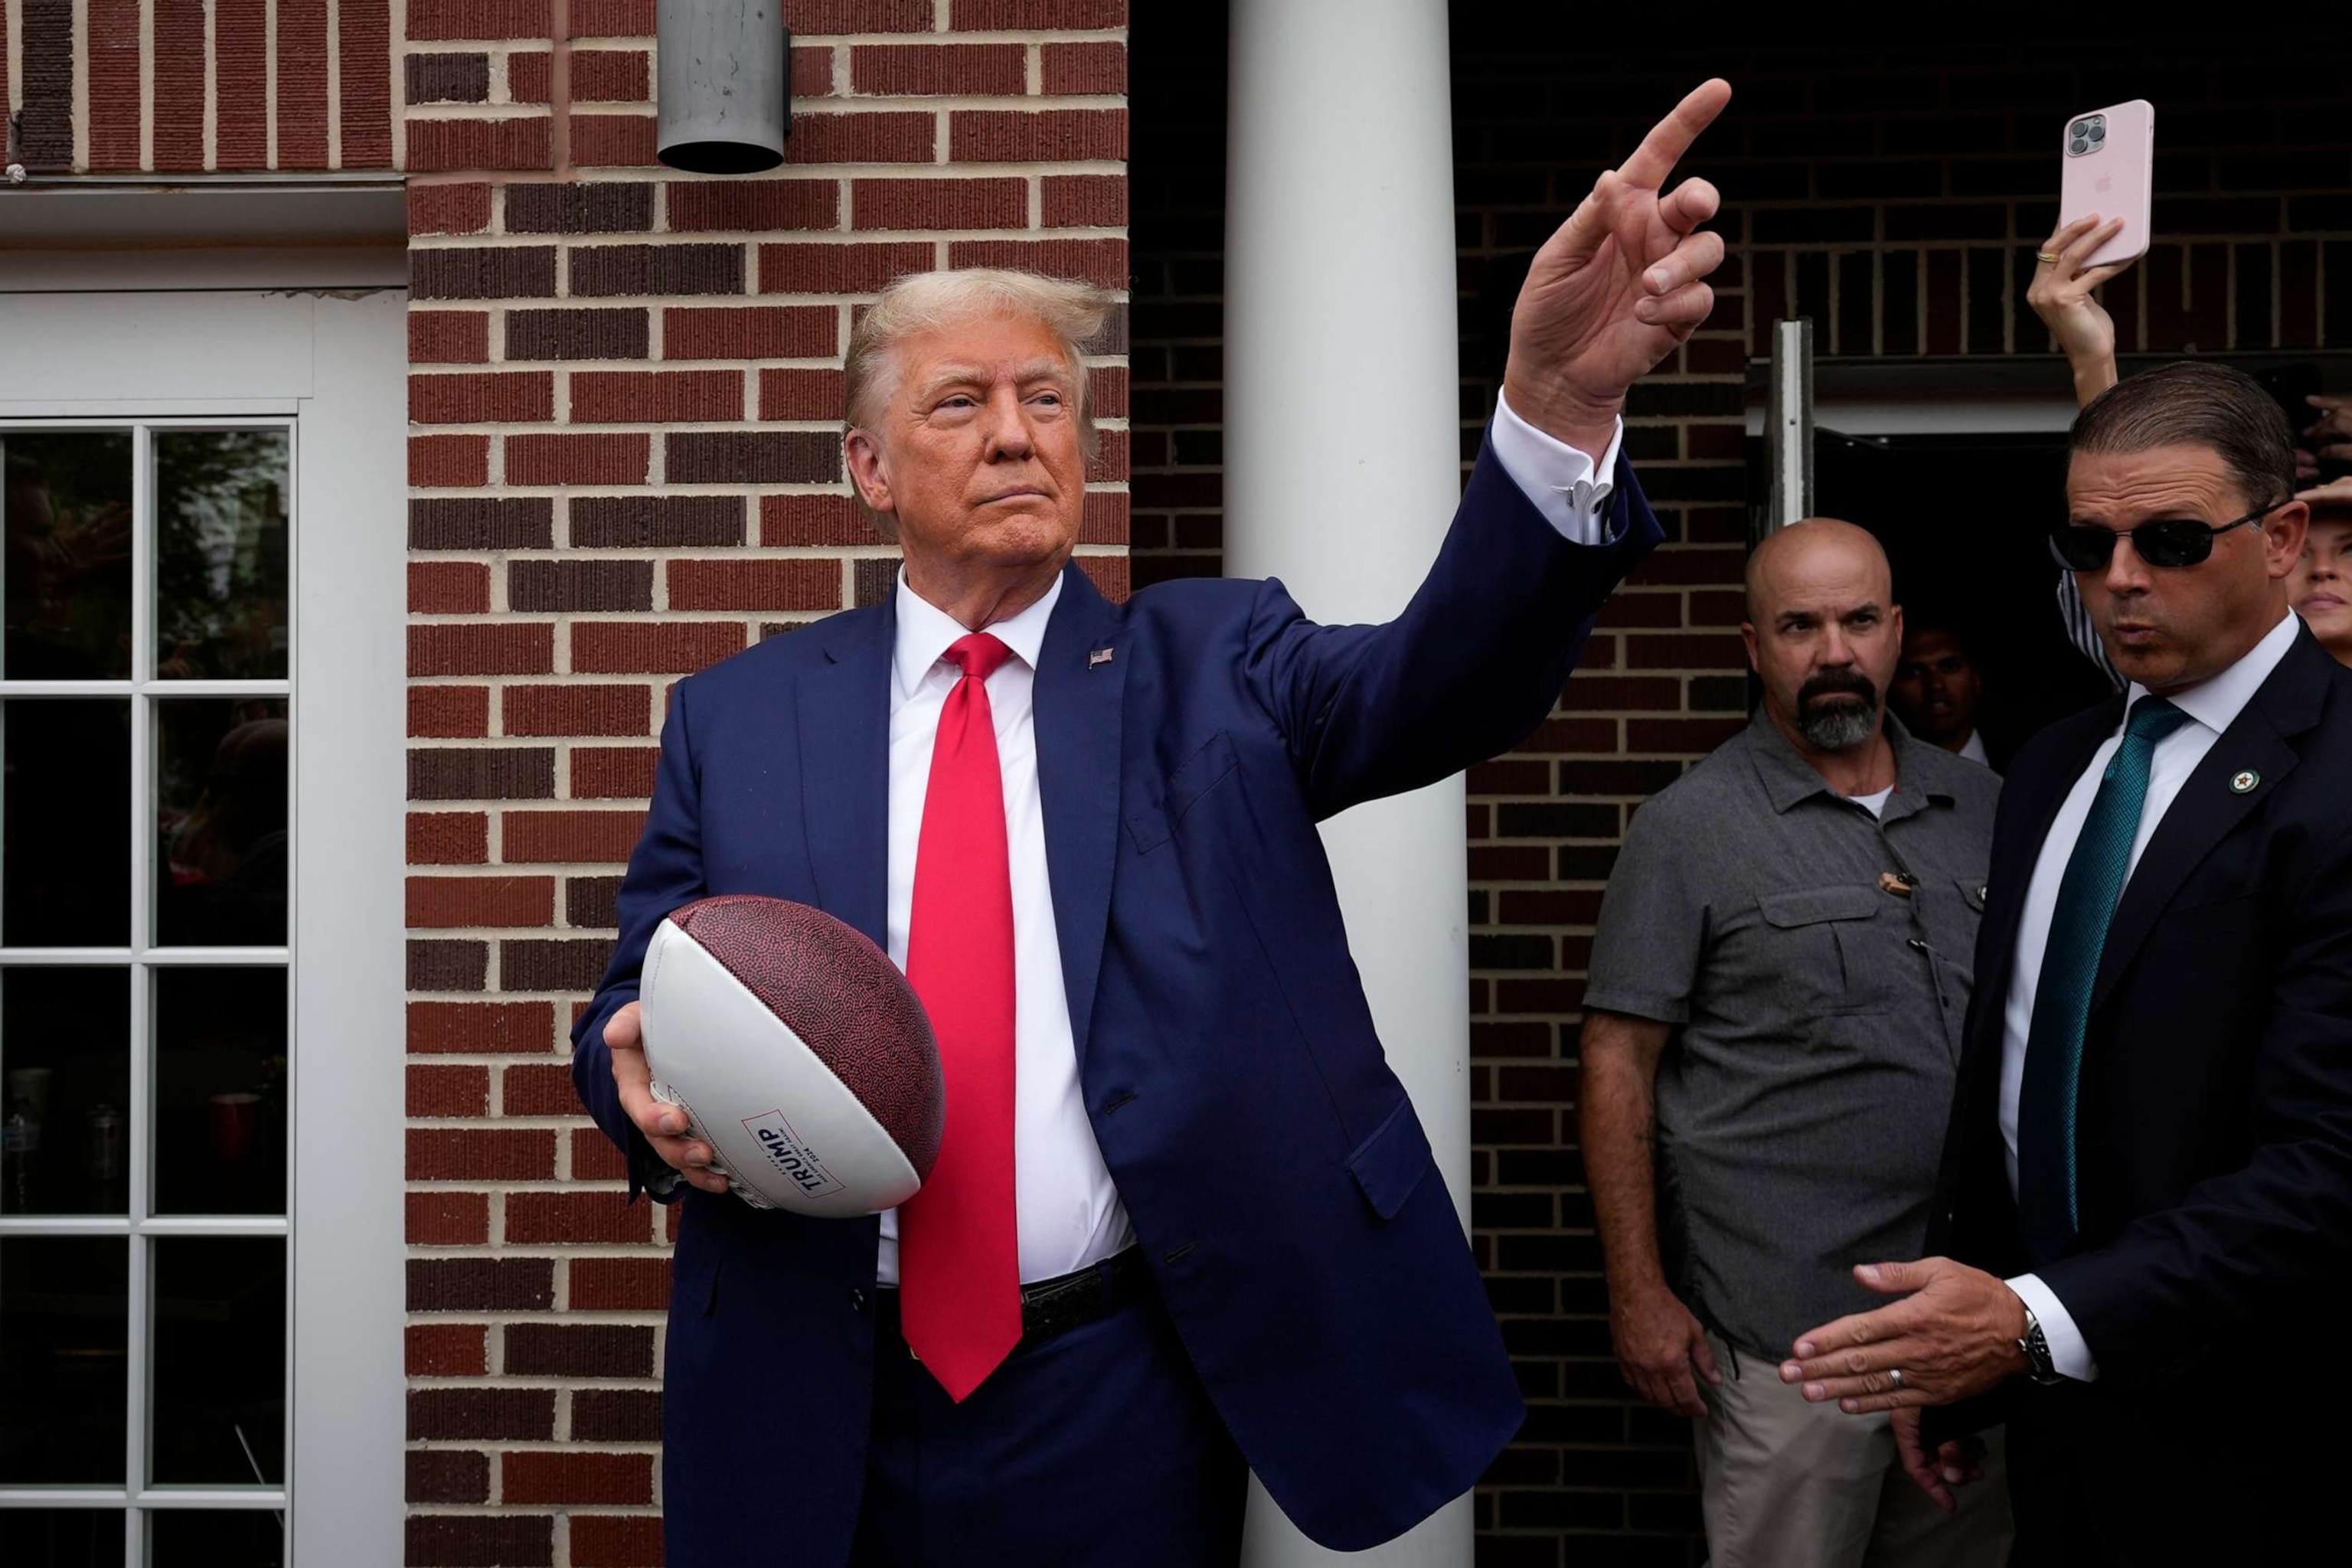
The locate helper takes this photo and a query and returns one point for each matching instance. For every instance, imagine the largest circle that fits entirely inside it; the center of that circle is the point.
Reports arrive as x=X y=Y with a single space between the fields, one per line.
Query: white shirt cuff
x=2068 y=1354
x=1564 y=484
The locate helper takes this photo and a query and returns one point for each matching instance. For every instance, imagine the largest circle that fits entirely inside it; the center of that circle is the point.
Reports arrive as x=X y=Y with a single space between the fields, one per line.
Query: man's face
x=1824 y=642
x=1935 y=687
x=976 y=452
x=2320 y=586
x=2170 y=628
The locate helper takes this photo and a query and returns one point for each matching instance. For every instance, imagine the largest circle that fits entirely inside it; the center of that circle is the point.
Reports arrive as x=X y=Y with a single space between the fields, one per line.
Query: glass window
x=64 y=1358
x=146 y=688
x=65 y=794
x=220 y=1090
x=220 y=555
x=65 y=1090
x=64 y=1538
x=222 y=771
x=68 y=516
x=214 y=1538
x=219 y=1332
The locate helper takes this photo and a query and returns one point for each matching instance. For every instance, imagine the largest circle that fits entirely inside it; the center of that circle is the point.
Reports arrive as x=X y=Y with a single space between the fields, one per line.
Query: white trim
x=338 y=364
x=1926 y=415
x=347 y=1415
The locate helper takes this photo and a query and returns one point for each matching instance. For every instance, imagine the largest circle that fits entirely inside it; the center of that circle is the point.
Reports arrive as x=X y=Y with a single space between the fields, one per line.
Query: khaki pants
x=1787 y=1484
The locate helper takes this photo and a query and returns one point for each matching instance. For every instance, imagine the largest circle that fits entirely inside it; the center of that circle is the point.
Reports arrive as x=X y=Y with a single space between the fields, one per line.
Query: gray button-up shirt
x=1815 y=963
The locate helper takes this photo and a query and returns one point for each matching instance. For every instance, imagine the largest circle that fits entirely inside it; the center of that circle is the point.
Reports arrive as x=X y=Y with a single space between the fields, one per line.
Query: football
x=798 y=1052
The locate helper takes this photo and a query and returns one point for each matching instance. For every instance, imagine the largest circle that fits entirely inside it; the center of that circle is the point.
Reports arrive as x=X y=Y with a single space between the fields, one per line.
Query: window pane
x=64 y=1057
x=65 y=797
x=220 y=1362
x=63 y=1537
x=220 y=1091
x=220 y=822
x=68 y=555
x=62 y=1347
x=214 y=1538
x=220 y=555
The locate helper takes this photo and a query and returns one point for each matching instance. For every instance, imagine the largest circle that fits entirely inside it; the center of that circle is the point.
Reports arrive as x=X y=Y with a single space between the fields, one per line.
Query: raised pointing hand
x=1619 y=285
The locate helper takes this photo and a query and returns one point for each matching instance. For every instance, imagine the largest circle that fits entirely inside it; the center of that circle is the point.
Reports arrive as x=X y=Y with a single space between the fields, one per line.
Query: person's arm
x=2062 y=294
x=1477 y=658
x=2212 y=1269
x=608 y=1059
x=1658 y=1341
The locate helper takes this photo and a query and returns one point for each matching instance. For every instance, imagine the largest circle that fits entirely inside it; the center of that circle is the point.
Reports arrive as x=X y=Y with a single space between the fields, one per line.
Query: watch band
x=2035 y=1347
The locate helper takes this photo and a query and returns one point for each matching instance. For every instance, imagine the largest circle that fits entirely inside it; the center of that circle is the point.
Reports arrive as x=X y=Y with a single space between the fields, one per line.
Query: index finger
x=1860 y=1329
x=1671 y=137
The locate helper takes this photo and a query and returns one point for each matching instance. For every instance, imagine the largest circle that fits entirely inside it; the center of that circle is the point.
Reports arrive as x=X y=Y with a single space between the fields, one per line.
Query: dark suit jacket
x=1279 y=1180
x=2214 y=1131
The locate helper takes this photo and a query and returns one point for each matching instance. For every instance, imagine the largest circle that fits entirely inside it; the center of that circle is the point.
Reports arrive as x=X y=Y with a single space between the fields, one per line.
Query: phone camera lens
x=2081 y=128
x=2098 y=132
x=2079 y=148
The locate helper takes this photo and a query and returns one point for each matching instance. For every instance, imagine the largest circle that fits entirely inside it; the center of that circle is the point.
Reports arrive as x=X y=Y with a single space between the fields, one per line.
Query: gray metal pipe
x=726 y=85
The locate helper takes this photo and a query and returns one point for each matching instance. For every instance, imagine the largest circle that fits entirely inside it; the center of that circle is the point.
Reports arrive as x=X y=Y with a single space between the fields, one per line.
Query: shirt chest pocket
x=1829 y=951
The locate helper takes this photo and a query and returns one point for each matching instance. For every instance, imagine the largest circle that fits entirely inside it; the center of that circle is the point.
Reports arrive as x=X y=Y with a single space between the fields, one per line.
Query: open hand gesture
x=1619 y=286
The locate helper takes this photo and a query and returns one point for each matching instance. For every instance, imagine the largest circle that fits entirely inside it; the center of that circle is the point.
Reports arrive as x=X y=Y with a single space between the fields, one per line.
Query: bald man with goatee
x=1772 y=1024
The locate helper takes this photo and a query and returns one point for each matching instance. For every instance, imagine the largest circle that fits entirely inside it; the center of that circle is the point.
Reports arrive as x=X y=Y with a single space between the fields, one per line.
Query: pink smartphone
x=2110 y=168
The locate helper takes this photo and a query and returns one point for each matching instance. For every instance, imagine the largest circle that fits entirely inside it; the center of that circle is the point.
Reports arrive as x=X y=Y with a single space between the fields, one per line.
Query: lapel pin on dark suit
x=2244 y=782
x=1097 y=657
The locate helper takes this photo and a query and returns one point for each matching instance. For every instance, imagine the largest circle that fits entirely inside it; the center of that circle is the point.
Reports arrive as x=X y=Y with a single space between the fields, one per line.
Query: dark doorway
x=1964 y=519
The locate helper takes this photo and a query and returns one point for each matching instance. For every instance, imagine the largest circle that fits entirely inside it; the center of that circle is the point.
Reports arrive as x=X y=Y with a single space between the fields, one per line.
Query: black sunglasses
x=2166 y=541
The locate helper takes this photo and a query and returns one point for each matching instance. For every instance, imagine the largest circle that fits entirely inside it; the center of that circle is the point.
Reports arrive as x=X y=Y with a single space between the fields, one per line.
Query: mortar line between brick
x=147 y=84
x=334 y=84
x=80 y=83
x=211 y=157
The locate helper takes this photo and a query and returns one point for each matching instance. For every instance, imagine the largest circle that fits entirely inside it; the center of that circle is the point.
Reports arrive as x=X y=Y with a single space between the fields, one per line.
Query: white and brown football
x=797 y=1050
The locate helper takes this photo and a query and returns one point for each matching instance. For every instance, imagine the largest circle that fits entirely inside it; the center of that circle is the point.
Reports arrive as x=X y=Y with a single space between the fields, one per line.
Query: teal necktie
x=2046 y=1187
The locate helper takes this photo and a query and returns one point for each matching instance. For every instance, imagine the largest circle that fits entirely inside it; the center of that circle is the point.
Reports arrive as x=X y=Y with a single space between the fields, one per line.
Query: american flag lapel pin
x=1097 y=657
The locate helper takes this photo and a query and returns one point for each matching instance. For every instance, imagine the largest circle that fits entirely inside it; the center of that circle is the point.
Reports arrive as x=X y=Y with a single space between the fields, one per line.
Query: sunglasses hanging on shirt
x=2166 y=541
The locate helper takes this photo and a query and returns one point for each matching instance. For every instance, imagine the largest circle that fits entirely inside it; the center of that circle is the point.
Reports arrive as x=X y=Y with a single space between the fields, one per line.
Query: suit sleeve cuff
x=1560 y=481
x=2068 y=1353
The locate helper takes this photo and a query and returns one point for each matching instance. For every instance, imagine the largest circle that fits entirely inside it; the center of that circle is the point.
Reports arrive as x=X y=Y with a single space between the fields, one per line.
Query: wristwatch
x=2036 y=1348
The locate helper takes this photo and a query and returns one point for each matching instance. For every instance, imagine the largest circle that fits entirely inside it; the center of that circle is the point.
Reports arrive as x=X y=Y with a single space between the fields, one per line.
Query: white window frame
x=333 y=364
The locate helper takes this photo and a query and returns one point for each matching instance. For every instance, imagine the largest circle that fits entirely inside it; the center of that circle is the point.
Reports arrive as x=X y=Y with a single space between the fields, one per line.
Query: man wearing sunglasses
x=2146 y=1201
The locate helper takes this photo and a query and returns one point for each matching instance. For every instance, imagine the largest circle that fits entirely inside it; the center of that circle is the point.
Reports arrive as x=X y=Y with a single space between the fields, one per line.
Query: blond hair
x=925 y=302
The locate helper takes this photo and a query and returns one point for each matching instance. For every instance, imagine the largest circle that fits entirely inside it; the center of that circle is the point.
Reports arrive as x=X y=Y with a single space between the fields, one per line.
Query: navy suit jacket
x=2213 y=1136
x=1281 y=1187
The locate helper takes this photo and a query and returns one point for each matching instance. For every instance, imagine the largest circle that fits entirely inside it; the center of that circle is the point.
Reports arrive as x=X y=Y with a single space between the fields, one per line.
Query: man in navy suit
x=1185 y=1217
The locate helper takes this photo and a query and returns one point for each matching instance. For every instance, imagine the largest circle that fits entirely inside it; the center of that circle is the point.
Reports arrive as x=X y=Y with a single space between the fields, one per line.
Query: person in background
x=1936 y=689
x=1772 y=1026
x=2319 y=589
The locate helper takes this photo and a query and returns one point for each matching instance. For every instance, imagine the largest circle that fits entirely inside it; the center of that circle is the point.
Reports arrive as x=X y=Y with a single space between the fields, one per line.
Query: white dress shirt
x=1067 y=1211
x=1974 y=749
x=2212 y=706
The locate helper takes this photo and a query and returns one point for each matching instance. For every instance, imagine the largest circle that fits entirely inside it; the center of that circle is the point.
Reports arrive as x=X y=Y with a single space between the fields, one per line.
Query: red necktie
x=959 y=1254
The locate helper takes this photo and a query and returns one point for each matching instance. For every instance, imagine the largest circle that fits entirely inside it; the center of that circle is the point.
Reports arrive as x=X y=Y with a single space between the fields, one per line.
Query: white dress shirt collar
x=926 y=632
x=2216 y=703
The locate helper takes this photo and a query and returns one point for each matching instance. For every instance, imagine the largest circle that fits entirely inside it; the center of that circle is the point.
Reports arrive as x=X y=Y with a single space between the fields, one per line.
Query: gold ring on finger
x=2047 y=258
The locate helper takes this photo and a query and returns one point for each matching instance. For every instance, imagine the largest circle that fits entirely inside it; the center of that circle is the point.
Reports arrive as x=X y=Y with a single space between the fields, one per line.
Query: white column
x=1342 y=470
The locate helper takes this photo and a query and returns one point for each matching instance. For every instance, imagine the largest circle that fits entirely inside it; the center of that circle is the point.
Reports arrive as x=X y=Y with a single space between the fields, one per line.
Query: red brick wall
x=1894 y=196
x=624 y=397
x=146 y=106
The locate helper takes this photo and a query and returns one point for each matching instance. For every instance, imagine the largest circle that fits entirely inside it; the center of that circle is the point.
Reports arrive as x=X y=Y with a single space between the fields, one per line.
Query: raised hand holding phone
x=2062 y=295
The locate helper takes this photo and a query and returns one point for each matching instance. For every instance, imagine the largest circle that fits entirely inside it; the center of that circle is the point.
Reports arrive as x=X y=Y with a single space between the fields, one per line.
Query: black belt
x=1054 y=1307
